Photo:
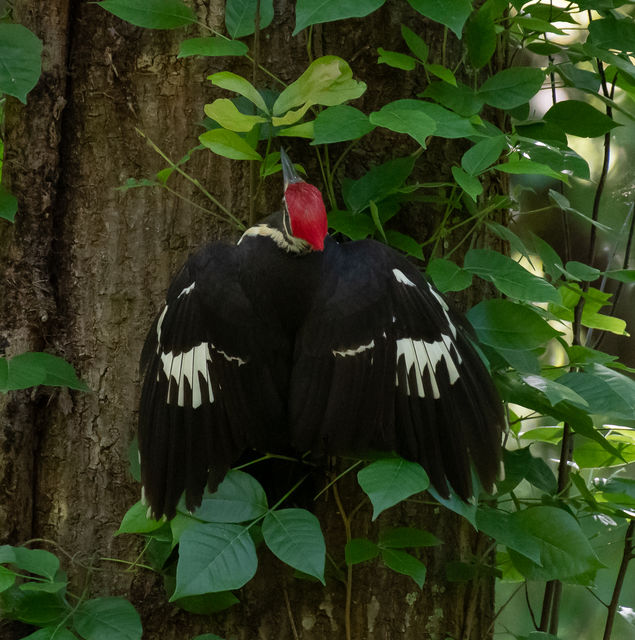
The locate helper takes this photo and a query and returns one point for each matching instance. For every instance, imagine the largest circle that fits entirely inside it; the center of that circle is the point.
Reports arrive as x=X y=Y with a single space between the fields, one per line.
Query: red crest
x=307 y=213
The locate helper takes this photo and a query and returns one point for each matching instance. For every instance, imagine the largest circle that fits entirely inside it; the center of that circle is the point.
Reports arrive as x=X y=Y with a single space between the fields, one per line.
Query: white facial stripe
x=425 y=356
x=289 y=244
x=401 y=277
x=187 y=290
x=360 y=349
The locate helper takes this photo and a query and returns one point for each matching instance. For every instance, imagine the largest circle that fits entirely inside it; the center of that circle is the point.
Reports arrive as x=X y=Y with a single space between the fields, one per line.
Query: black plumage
x=273 y=344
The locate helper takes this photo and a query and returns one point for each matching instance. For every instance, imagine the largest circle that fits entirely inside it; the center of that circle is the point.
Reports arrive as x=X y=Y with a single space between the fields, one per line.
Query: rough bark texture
x=85 y=268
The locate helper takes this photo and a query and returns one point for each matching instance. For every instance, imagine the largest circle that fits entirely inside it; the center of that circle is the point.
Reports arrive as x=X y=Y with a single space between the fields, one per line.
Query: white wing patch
x=424 y=357
x=352 y=352
x=187 y=366
x=401 y=277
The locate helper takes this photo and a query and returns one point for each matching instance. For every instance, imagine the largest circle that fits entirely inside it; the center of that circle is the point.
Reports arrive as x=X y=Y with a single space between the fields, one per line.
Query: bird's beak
x=289 y=173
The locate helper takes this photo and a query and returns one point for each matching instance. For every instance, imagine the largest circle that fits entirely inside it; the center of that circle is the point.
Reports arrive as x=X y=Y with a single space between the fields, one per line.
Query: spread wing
x=382 y=363
x=212 y=386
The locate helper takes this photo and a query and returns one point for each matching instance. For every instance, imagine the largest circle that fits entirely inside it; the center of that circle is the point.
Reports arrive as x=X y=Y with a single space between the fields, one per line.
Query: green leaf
x=8 y=202
x=448 y=276
x=509 y=277
x=522 y=167
x=33 y=369
x=378 y=183
x=208 y=636
x=214 y=557
x=415 y=43
x=592 y=455
x=565 y=551
x=238 y=84
x=7 y=578
x=239 y=498
x=295 y=537
x=480 y=36
x=151 y=14
x=451 y=13
x=390 y=480
x=407 y=537
x=622 y=275
x=405 y=116
x=521 y=465
x=483 y=154
x=613 y=33
x=404 y=243
x=470 y=184
x=560 y=158
x=582 y=271
x=137 y=521
x=551 y=262
x=240 y=16
x=228 y=144
x=506 y=529
x=511 y=88
x=308 y=12
x=515 y=243
x=404 y=563
x=328 y=81
x=302 y=130
x=46 y=587
x=340 y=123
x=107 y=619
x=360 y=550
x=225 y=112
x=556 y=391
x=214 y=46
x=441 y=72
x=460 y=98
x=51 y=633
x=396 y=60
x=512 y=329
x=607 y=392
x=579 y=119
x=20 y=52
x=354 y=225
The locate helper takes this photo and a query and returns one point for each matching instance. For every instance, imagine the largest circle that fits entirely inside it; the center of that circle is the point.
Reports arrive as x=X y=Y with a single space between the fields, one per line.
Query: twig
x=290 y=614
x=627 y=556
x=349 y=567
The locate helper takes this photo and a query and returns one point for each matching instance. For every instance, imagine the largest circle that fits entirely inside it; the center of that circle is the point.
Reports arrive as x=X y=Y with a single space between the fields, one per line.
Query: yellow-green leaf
x=228 y=144
x=234 y=82
x=224 y=111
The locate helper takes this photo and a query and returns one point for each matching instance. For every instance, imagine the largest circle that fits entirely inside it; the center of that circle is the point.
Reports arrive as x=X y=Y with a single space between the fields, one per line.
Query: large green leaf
x=506 y=529
x=234 y=82
x=295 y=536
x=239 y=498
x=107 y=619
x=611 y=33
x=308 y=12
x=521 y=465
x=214 y=557
x=406 y=116
x=228 y=144
x=226 y=113
x=565 y=551
x=328 y=81
x=460 y=98
x=511 y=88
x=391 y=480
x=340 y=123
x=8 y=202
x=451 y=13
x=213 y=46
x=54 y=632
x=448 y=276
x=483 y=154
x=20 y=56
x=240 y=16
x=509 y=277
x=378 y=183
x=151 y=14
x=480 y=35
x=579 y=119
x=36 y=561
x=404 y=563
x=33 y=369
x=354 y=225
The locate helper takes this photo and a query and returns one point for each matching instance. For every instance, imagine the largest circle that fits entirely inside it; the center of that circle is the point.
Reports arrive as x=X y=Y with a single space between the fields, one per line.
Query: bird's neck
x=276 y=228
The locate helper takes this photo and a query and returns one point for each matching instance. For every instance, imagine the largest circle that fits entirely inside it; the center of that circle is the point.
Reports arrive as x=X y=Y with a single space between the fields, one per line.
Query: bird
x=291 y=340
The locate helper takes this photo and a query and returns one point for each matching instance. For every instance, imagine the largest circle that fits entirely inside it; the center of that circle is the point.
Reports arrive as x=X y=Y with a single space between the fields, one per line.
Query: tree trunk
x=86 y=267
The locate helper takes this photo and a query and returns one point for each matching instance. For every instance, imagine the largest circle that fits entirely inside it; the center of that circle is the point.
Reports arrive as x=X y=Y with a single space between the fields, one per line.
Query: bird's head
x=303 y=206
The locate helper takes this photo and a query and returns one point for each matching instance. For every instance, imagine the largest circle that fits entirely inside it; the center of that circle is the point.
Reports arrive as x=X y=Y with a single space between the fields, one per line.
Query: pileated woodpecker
x=292 y=339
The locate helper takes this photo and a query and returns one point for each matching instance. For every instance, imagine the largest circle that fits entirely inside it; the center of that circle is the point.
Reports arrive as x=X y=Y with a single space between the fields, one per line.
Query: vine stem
x=349 y=568
x=627 y=556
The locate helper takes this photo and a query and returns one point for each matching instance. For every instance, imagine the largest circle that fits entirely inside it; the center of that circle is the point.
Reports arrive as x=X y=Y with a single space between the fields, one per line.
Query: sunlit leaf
x=224 y=112
x=228 y=144
x=234 y=82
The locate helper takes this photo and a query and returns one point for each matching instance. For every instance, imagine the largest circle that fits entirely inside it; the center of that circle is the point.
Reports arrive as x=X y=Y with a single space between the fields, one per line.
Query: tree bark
x=86 y=267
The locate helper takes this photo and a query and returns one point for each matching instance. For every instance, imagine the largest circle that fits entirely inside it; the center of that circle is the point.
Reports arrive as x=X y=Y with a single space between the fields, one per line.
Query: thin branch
x=627 y=556
x=349 y=568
